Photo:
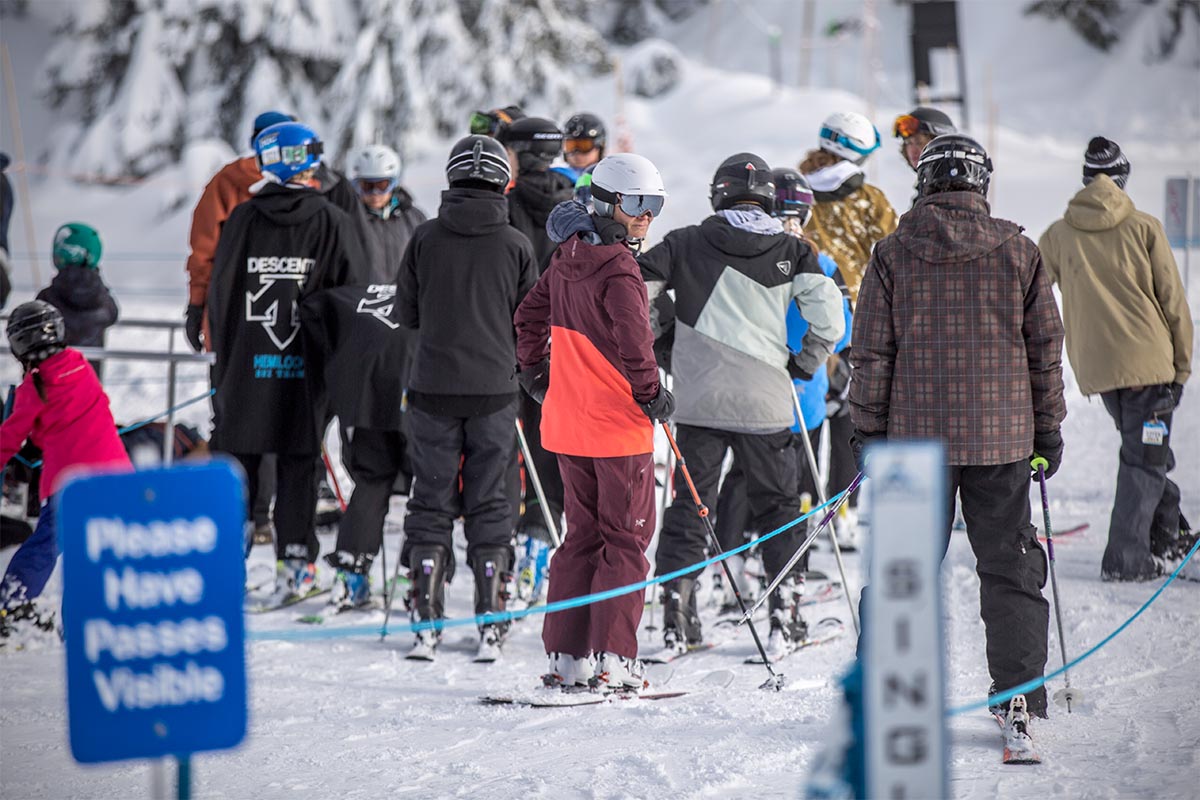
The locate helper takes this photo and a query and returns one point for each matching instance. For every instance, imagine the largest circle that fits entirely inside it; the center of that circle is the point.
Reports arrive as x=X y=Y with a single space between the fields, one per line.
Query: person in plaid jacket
x=957 y=338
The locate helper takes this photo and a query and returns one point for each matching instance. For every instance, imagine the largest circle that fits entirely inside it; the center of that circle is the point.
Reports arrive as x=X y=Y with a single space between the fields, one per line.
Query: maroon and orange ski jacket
x=589 y=313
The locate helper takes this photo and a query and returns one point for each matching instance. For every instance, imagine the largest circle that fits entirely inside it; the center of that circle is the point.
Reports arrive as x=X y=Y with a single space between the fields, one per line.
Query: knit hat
x=1104 y=157
x=266 y=120
x=76 y=245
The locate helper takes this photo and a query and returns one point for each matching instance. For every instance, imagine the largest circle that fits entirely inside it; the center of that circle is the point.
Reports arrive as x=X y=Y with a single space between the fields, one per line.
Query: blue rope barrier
x=309 y=634
x=134 y=426
x=1003 y=697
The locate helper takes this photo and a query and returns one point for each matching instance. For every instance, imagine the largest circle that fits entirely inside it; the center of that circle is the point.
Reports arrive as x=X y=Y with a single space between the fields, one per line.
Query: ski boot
x=615 y=673
x=491 y=595
x=723 y=597
x=533 y=568
x=788 y=628
x=566 y=671
x=352 y=584
x=295 y=579
x=1018 y=744
x=845 y=528
x=426 y=597
x=681 y=620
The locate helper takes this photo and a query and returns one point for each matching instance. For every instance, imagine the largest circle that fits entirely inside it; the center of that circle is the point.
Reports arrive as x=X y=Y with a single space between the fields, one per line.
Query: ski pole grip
x=1039 y=462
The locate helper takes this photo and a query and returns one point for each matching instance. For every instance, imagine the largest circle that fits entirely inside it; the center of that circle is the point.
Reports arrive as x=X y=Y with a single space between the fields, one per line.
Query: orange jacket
x=227 y=189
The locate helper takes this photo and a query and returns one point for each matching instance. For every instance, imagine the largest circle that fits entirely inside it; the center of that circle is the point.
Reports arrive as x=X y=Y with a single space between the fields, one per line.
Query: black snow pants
x=296 y=479
x=483 y=449
x=376 y=459
x=533 y=521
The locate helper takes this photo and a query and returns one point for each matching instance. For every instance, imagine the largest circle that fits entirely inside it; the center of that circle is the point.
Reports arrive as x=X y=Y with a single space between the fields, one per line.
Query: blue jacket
x=812 y=393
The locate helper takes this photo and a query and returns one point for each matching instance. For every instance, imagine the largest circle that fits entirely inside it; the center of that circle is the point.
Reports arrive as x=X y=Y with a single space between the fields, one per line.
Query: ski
x=542 y=698
x=667 y=655
x=319 y=619
x=824 y=631
x=268 y=605
x=1073 y=531
x=1018 y=744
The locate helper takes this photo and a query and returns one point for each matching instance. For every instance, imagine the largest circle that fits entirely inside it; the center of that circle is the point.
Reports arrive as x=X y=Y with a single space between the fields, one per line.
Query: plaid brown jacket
x=957 y=336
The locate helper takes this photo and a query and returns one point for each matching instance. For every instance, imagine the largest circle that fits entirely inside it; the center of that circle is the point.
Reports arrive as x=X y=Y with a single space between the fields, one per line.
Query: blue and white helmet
x=849 y=135
x=286 y=149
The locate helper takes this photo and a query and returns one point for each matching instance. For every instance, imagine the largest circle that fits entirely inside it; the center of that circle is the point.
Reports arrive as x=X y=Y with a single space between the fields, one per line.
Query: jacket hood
x=1099 y=206
x=576 y=259
x=540 y=192
x=734 y=241
x=288 y=205
x=473 y=212
x=951 y=227
x=78 y=287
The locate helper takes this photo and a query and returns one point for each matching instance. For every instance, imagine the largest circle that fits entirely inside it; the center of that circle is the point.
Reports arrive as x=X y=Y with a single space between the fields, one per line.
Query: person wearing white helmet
x=585 y=349
x=390 y=216
x=849 y=216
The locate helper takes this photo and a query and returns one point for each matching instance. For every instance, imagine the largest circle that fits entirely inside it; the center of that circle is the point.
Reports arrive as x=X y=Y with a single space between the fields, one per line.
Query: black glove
x=661 y=407
x=858 y=444
x=797 y=372
x=1171 y=394
x=536 y=380
x=194 y=325
x=1050 y=447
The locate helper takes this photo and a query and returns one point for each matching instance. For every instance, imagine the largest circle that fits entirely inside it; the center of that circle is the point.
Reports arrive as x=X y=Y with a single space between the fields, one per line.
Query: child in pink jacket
x=62 y=409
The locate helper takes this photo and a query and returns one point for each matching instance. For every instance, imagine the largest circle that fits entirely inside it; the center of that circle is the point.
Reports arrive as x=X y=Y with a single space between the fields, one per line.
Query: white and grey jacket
x=733 y=285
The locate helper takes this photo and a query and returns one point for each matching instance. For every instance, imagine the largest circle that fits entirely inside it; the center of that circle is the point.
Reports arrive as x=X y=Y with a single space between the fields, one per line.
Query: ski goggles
x=636 y=205
x=486 y=123
x=375 y=185
x=831 y=135
x=907 y=125
x=579 y=145
x=293 y=154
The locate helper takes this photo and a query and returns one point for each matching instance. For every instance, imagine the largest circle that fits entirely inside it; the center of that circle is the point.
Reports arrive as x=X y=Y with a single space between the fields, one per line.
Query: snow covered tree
x=139 y=80
x=1102 y=22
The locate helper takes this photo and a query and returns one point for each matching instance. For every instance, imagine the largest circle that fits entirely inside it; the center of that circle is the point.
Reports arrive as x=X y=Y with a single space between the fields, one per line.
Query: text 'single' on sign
x=153 y=577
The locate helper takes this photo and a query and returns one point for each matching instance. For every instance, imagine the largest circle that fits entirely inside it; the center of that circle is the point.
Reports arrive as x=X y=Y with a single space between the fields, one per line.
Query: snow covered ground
x=351 y=718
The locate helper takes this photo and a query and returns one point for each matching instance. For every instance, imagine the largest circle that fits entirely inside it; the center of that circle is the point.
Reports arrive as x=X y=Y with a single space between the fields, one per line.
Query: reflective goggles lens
x=905 y=126
x=579 y=145
x=481 y=124
x=635 y=205
x=381 y=186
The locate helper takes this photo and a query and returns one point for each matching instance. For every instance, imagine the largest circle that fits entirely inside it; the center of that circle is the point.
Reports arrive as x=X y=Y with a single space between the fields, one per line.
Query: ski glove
x=797 y=372
x=1050 y=447
x=661 y=407
x=1171 y=394
x=193 y=326
x=858 y=446
x=536 y=380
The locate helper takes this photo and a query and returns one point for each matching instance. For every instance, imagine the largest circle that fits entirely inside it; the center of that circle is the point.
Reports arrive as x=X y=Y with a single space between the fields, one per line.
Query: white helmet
x=849 y=135
x=376 y=162
x=628 y=175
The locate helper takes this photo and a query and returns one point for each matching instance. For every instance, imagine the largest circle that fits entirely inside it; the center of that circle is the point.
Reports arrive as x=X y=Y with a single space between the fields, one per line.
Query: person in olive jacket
x=1129 y=338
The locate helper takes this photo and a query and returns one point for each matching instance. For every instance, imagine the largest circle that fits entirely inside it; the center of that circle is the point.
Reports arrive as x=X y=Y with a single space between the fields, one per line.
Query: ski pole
x=537 y=485
x=1067 y=695
x=819 y=480
x=776 y=680
x=803 y=548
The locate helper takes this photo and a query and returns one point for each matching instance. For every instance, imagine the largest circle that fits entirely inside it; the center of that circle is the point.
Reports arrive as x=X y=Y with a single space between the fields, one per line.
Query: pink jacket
x=74 y=426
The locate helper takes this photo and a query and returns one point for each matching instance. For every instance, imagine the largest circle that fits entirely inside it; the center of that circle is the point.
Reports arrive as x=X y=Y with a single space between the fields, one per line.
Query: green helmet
x=76 y=245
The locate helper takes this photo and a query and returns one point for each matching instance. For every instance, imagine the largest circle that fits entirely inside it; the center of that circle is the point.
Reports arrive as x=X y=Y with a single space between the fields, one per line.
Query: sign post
x=903 y=670
x=153 y=620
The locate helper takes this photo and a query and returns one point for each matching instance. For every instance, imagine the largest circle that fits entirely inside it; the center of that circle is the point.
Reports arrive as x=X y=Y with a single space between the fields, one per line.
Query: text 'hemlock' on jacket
x=732 y=293
x=276 y=248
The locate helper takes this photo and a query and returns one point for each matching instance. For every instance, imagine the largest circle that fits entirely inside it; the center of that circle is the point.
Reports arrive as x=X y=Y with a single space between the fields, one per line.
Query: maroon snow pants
x=609 y=504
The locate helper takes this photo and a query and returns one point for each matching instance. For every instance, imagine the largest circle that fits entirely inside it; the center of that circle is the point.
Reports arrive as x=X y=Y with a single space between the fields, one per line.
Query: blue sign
x=152 y=612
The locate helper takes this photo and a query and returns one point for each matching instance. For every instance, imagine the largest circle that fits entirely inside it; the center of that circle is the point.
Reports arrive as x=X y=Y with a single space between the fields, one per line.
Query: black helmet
x=478 y=158
x=36 y=331
x=534 y=135
x=953 y=162
x=922 y=119
x=793 y=194
x=586 y=126
x=743 y=178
